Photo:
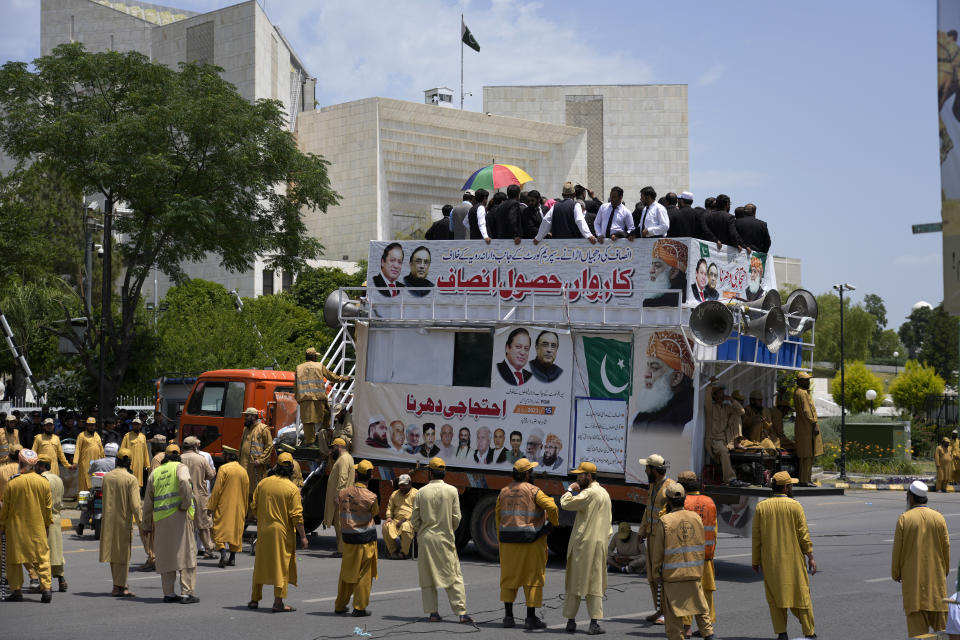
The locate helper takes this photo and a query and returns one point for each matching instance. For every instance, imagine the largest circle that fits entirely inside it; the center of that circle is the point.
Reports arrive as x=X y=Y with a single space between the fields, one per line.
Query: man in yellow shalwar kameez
x=806 y=430
x=397 y=523
x=25 y=516
x=656 y=469
x=121 y=509
x=256 y=446
x=944 y=461
x=358 y=507
x=436 y=514
x=136 y=443
x=522 y=514
x=54 y=531
x=921 y=561
x=48 y=443
x=89 y=448
x=276 y=501
x=341 y=476
x=228 y=506
x=780 y=541
x=586 y=575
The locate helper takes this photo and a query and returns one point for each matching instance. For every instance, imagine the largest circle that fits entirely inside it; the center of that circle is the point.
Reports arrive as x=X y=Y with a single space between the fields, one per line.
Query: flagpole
x=461 y=61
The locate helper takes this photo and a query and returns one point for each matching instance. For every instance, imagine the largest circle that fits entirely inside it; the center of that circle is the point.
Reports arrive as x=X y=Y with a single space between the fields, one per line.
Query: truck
x=559 y=352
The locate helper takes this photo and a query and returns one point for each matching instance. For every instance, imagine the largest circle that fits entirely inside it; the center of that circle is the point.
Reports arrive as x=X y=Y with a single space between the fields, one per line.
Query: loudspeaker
x=338 y=304
x=769 y=300
x=768 y=326
x=711 y=323
x=801 y=311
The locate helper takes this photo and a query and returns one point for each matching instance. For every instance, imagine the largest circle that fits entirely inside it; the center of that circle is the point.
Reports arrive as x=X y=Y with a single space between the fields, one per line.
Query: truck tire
x=313 y=497
x=483 y=528
x=558 y=540
x=462 y=535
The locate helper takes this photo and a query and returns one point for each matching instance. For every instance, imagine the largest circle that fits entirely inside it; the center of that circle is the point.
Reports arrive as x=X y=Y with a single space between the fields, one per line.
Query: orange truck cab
x=214 y=409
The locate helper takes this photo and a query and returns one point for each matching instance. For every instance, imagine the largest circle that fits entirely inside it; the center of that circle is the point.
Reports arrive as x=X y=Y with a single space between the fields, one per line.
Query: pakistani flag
x=467 y=37
x=609 y=367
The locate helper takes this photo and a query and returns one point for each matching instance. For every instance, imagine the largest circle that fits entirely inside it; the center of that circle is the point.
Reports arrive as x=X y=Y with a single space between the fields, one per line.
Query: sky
x=822 y=113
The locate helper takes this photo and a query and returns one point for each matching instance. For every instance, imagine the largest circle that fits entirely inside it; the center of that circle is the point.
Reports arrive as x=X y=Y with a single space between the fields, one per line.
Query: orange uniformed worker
x=358 y=507
x=704 y=507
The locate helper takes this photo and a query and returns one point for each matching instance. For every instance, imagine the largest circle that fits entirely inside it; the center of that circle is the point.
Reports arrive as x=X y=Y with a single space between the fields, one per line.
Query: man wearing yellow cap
x=436 y=514
x=397 y=523
x=297 y=477
x=806 y=430
x=276 y=503
x=54 y=531
x=256 y=446
x=168 y=511
x=121 y=509
x=722 y=415
x=342 y=475
x=25 y=515
x=358 y=507
x=311 y=392
x=780 y=541
x=135 y=442
x=626 y=553
x=228 y=506
x=89 y=448
x=522 y=517
x=48 y=443
x=676 y=560
x=10 y=468
x=656 y=469
x=200 y=473
x=586 y=575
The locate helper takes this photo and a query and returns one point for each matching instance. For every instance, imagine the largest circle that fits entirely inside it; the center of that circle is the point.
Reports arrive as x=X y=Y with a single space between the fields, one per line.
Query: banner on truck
x=948 y=105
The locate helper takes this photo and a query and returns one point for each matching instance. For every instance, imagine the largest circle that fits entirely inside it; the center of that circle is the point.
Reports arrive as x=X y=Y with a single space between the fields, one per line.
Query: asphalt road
x=852 y=592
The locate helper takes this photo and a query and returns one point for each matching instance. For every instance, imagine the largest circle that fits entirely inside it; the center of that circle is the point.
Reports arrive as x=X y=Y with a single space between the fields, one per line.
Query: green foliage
x=197 y=165
x=911 y=388
x=938 y=347
x=885 y=344
x=875 y=307
x=858 y=330
x=857 y=379
x=313 y=285
x=912 y=331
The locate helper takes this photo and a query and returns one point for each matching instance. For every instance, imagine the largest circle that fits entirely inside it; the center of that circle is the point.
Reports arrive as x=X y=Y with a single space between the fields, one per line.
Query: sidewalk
x=878 y=483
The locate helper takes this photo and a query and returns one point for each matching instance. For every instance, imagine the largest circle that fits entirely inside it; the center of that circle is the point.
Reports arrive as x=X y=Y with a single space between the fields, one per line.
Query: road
x=852 y=593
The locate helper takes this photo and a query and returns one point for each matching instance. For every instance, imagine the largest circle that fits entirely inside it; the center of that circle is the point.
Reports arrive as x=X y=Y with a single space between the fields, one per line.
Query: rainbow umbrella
x=496 y=176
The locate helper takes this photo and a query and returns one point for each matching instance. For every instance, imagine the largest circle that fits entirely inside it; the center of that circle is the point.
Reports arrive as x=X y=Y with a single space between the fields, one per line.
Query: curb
x=872 y=486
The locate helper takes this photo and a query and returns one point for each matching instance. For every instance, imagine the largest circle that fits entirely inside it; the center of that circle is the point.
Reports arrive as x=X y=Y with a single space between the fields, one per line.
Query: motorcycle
x=90 y=504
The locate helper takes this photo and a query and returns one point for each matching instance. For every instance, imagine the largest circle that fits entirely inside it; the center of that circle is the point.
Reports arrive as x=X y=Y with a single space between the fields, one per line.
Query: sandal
x=434 y=617
x=125 y=593
x=253 y=604
x=286 y=609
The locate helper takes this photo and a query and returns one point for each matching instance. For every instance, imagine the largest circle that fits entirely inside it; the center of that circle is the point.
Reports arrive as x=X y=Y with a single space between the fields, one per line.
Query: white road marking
x=735 y=555
x=375 y=593
x=156 y=576
x=581 y=623
x=887 y=579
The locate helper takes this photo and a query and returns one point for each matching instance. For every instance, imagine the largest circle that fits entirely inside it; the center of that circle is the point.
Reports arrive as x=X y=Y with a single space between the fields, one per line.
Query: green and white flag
x=609 y=367
x=467 y=37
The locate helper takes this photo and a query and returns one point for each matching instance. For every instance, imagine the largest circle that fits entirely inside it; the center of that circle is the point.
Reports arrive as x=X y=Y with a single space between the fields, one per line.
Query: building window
x=286 y=280
x=200 y=43
x=268 y=282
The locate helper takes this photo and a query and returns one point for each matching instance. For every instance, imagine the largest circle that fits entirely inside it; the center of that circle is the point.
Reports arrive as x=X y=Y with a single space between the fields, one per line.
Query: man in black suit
x=752 y=230
x=699 y=287
x=722 y=224
x=419 y=270
x=689 y=222
x=391 y=263
x=544 y=367
x=440 y=230
x=516 y=354
x=508 y=217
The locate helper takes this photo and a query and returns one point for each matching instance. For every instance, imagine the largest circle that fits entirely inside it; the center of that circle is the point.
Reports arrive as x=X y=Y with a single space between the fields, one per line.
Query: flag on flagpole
x=467 y=38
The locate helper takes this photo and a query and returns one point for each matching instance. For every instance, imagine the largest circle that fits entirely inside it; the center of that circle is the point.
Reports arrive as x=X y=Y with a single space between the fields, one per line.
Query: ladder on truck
x=341 y=358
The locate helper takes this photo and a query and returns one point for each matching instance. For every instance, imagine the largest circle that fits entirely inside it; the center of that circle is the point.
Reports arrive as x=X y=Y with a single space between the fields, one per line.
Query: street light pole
x=843 y=405
x=106 y=290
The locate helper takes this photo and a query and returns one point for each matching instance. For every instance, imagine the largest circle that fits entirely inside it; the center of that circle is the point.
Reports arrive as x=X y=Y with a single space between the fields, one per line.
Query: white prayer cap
x=403 y=479
x=918 y=488
x=110 y=450
x=686 y=195
x=377 y=418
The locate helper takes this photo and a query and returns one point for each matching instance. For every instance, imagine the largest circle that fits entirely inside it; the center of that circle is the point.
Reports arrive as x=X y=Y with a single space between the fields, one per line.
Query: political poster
x=948 y=105
x=727 y=274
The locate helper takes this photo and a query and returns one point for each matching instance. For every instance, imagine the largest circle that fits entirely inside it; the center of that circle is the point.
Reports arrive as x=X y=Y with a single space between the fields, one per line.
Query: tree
x=857 y=379
x=313 y=285
x=886 y=344
x=858 y=326
x=912 y=331
x=911 y=388
x=875 y=307
x=202 y=171
x=938 y=347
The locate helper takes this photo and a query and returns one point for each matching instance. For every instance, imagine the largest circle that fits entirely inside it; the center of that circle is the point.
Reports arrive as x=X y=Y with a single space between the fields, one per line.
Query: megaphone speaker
x=337 y=305
x=769 y=300
x=770 y=327
x=711 y=323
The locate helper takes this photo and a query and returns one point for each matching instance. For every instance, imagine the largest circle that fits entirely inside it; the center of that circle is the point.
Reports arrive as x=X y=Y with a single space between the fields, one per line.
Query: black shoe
x=534 y=623
x=509 y=622
x=359 y=613
x=171 y=599
x=47 y=596
x=232 y=560
x=783 y=636
x=223 y=559
x=63 y=584
x=191 y=599
x=571 y=626
x=16 y=596
x=595 y=629
x=813 y=637
x=709 y=637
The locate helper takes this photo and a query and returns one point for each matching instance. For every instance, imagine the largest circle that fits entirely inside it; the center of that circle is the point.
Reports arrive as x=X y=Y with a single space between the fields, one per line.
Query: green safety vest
x=166 y=492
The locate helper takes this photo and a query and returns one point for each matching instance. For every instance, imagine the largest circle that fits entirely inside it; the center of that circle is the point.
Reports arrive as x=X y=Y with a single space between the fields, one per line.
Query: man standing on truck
x=722 y=415
x=522 y=514
x=228 y=506
x=311 y=393
x=756 y=418
x=342 y=475
x=677 y=555
x=806 y=429
x=780 y=541
x=358 y=507
x=586 y=575
x=256 y=445
x=397 y=523
x=656 y=470
x=436 y=515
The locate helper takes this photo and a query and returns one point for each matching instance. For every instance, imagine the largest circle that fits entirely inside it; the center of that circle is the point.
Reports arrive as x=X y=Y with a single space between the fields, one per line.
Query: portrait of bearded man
x=668 y=270
x=665 y=399
x=754 y=291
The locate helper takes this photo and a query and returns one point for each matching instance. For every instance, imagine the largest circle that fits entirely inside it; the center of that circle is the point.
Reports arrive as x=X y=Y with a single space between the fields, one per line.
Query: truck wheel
x=483 y=528
x=558 y=540
x=462 y=535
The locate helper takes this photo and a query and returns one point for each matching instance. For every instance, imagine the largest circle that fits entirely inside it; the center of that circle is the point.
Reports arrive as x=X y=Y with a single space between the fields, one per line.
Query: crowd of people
x=577 y=213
